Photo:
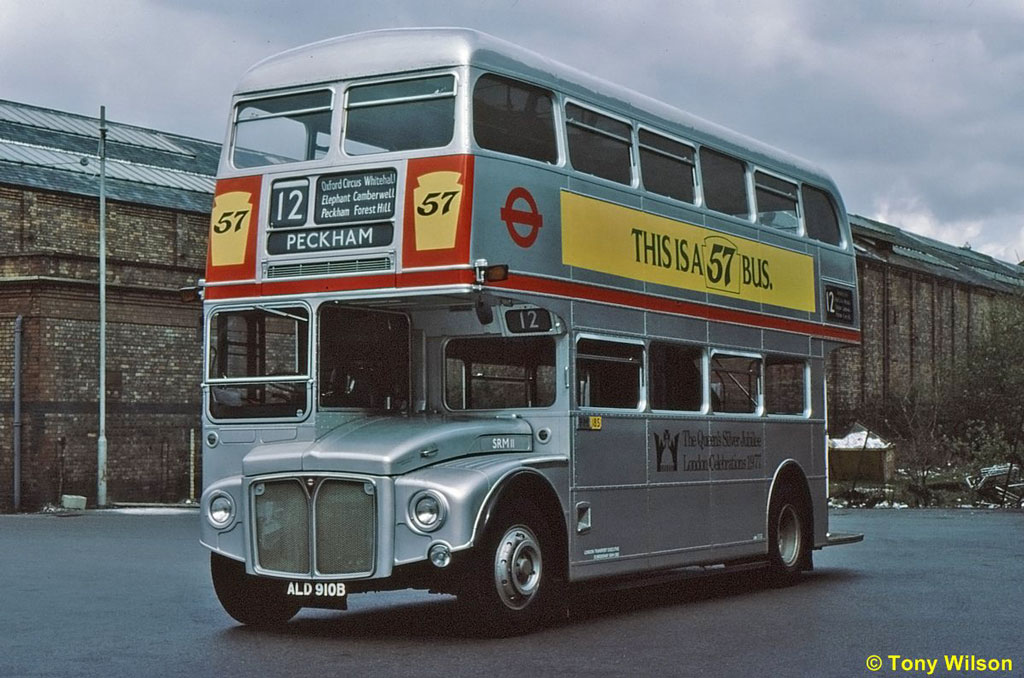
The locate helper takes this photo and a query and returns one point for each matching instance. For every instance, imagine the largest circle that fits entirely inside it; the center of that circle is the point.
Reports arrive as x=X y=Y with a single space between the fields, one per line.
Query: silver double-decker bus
x=479 y=323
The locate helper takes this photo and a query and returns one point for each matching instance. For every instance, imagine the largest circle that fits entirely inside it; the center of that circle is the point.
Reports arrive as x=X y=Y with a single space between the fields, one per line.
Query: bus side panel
x=610 y=475
x=516 y=216
x=733 y=452
x=680 y=491
x=793 y=439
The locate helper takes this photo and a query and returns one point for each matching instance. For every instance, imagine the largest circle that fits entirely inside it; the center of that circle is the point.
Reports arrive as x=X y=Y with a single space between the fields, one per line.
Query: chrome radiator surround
x=313 y=526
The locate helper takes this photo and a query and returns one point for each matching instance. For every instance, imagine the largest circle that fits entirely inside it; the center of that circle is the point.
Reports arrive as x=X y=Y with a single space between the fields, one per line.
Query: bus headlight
x=427 y=510
x=220 y=510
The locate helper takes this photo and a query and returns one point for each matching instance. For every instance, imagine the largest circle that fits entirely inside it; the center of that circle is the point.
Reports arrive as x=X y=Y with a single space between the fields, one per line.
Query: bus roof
x=390 y=51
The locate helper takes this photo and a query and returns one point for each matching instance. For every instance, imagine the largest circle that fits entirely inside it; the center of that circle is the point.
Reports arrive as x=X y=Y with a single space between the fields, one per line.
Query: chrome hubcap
x=789 y=535
x=517 y=567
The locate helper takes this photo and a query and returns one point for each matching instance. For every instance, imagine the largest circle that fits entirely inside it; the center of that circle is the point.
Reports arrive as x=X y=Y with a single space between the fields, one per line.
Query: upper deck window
x=724 y=179
x=666 y=166
x=820 y=216
x=776 y=202
x=598 y=145
x=282 y=129
x=513 y=117
x=400 y=115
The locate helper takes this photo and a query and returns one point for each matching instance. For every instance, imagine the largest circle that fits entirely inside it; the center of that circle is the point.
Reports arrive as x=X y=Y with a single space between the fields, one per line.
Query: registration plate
x=324 y=590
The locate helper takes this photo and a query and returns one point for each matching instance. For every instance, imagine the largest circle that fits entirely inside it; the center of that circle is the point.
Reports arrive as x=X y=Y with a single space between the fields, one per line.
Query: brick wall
x=914 y=326
x=48 y=271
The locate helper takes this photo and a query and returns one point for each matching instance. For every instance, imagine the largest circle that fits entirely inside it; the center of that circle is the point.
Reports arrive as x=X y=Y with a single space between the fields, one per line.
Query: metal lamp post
x=101 y=442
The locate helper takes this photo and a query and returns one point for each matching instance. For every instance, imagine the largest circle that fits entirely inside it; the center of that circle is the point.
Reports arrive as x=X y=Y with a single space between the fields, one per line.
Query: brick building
x=159 y=189
x=923 y=304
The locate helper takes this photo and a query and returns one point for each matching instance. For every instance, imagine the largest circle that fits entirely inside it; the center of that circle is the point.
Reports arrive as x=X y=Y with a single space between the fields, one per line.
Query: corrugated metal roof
x=59 y=121
x=879 y=241
x=53 y=150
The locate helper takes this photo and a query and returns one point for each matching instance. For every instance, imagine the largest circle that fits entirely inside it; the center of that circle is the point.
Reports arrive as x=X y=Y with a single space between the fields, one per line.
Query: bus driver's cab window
x=364 y=359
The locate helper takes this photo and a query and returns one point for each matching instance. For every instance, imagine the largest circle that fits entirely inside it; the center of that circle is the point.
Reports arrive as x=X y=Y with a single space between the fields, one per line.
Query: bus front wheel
x=789 y=536
x=249 y=600
x=512 y=588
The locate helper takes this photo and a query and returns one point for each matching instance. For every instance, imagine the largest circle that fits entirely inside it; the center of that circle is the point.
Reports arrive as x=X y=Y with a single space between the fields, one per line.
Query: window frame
x=556 y=119
x=830 y=198
x=749 y=216
x=566 y=123
x=495 y=337
x=320 y=363
x=758 y=411
x=210 y=383
x=779 y=357
x=241 y=102
x=704 y=351
x=692 y=163
x=343 y=110
x=642 y=397
x=796 y=197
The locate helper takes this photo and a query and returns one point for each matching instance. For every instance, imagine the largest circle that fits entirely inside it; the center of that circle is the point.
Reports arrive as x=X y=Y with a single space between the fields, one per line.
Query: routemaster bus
x=479 y=323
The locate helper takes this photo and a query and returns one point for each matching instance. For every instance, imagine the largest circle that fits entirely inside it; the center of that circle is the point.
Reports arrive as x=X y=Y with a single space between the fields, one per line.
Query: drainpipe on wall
x=17 y=412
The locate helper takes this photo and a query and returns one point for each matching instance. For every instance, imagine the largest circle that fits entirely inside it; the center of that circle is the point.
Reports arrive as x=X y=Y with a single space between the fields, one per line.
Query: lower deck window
x=735 y=383
x=676 y=377
x=499 y=373
x=259 y=362
x=608 y=374
x=785 y=385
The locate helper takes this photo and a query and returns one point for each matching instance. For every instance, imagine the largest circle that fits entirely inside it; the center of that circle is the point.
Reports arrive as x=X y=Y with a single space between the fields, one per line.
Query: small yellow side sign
x=438 y=199
x=229 y=228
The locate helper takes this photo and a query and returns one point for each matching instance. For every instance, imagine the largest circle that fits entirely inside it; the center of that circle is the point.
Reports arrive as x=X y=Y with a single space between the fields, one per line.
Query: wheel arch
x=790 y=474
x=532 y=486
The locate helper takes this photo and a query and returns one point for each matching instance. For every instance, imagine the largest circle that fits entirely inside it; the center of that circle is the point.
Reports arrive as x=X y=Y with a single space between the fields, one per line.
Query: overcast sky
x=916 y=107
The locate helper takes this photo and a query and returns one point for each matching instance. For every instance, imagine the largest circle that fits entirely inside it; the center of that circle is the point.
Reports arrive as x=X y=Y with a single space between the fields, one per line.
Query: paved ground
x=121 y=594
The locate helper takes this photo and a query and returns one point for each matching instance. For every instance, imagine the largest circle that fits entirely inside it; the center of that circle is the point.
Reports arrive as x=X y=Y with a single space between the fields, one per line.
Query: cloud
x=911 y=214
x=916 y=108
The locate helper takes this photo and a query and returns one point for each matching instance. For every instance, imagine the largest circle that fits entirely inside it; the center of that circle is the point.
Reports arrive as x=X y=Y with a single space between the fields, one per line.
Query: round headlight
x=222 y=510
x=427 y=511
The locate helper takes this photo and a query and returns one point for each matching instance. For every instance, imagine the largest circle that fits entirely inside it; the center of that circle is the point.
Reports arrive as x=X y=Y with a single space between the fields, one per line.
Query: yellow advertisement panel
x=602 y=236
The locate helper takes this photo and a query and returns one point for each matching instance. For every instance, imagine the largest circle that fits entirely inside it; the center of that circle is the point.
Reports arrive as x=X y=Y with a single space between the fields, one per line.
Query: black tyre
x=515 y=584
x=789 y=536
x=250 y=600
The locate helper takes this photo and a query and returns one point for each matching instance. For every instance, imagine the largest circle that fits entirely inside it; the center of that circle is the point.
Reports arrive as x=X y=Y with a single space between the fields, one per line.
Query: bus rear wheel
x=512 y=588
x=789 y=536
x=249 y=600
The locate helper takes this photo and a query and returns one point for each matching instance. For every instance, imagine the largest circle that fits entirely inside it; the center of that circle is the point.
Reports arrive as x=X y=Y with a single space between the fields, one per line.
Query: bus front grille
x=345 y=527
x=328 y=522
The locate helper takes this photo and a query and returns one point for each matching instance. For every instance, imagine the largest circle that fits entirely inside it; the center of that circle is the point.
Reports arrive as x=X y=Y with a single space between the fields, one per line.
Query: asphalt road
x=114 y=594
